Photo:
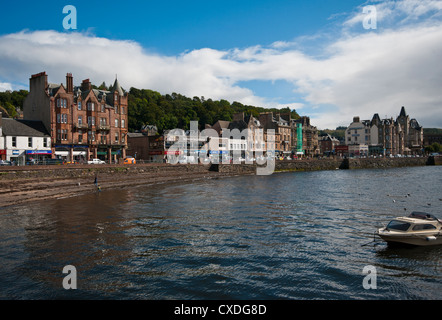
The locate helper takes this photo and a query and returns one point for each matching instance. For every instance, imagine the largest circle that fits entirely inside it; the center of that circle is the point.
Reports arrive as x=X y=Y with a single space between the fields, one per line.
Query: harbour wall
x=74 y=171
x=331 y=164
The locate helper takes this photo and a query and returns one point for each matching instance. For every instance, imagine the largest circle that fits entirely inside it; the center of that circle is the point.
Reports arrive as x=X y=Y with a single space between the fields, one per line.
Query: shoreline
x=28 y=184
x=25 y=184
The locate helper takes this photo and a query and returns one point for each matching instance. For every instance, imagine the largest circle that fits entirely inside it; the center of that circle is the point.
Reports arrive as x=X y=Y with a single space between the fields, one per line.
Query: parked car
x=5 y=163
x=96 y=161
x=129 y=160
x=53 y=161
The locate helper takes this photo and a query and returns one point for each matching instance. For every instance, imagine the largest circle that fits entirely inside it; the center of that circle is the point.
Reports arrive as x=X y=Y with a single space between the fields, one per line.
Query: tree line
x=11 y=101
x=174 y=110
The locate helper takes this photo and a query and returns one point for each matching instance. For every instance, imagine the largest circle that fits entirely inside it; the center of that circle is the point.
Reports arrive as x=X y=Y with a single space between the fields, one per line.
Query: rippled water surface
x=284 y=236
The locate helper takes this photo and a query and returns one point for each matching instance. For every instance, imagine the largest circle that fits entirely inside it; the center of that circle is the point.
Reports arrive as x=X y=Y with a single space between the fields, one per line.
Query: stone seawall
x=329 y=164
x=374 y=163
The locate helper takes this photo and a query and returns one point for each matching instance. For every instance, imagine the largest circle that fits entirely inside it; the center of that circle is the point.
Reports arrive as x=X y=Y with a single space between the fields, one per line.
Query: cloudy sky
x=330 y=60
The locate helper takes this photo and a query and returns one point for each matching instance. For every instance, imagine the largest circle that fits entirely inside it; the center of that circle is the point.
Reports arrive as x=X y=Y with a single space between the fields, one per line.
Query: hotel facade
x=403 y=136
x=83 y=122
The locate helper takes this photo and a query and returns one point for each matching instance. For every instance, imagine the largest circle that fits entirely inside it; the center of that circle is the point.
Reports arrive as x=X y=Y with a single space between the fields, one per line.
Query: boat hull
x=410 y=239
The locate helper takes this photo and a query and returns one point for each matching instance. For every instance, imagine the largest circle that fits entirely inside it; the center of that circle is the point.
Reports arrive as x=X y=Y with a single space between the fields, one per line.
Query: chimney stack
x=238 y=116
x=69 y=83
x=86 y=85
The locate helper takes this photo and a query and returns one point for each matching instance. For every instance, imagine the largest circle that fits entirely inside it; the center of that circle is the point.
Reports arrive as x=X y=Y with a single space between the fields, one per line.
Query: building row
x=78 y=123
x=245 y=136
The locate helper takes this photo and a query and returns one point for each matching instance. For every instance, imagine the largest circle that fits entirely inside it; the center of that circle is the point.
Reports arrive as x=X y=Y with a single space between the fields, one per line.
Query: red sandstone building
x=83 y=122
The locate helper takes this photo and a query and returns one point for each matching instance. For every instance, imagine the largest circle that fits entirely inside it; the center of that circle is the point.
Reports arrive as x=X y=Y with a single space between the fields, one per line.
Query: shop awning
x=38 y=152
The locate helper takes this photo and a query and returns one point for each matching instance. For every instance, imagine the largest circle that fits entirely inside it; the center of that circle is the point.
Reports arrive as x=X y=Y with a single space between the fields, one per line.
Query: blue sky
x=314 y=56
x=172 y=27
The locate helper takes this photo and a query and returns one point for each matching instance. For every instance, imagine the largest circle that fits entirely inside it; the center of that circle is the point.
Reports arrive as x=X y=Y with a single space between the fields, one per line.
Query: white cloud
x=395 y=13
x=4 y=86
x=357 y=74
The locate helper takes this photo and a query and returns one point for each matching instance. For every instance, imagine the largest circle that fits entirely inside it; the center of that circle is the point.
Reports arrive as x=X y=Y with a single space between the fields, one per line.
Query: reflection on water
x=284 y=236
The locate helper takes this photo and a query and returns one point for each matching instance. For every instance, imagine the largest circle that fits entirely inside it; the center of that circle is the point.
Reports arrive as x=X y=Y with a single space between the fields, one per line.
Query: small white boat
x=419 y=228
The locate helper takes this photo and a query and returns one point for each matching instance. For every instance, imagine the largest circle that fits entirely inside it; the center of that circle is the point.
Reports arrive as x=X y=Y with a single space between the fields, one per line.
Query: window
x=79 y=105
x=116 y=123
x=64 y=118
x=91 y=136
x=62 y=103
x=80 y=120
x=59 y=135
x=91 y=121
x=64 y=134
x=421 y=227
x=90 y=106
x=58 y=118
x=30 y=142
x=80 y=138
x=45 y=142
x=102 y=108
x=123 y=123
x=116 y=136
x=398 y=225
x=122 y=110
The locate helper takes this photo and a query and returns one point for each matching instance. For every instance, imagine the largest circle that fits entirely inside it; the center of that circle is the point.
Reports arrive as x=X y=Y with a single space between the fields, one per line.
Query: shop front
x=71 y=153
x=17 y=157
x=37 y=156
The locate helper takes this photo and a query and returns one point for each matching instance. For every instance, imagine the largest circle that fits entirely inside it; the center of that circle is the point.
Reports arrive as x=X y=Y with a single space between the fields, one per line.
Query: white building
x=358 y=137
x=22 y=141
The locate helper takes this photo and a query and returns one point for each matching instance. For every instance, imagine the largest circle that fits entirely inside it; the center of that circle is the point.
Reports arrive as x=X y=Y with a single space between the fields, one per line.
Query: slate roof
x=27 y=128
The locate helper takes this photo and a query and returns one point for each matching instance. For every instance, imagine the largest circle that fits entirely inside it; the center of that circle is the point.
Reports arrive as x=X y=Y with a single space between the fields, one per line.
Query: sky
x=329 y=60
